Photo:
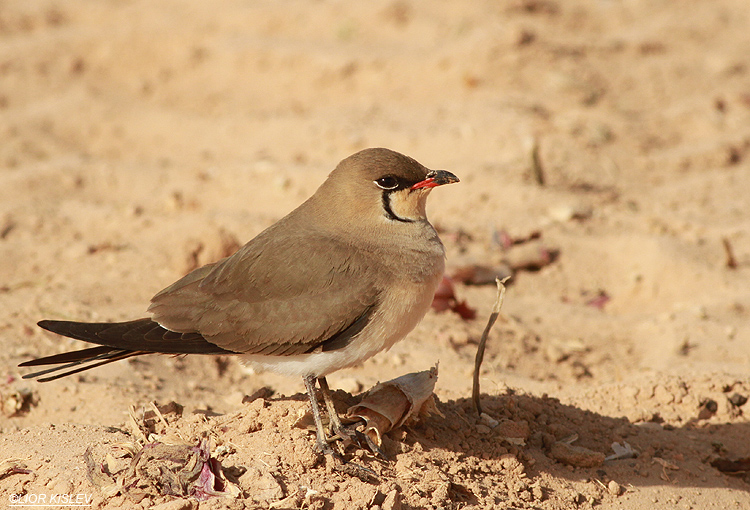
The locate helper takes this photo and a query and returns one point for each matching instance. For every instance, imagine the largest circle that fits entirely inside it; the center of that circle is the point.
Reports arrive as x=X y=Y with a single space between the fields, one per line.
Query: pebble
x=489 y=420
x=392 y=501
x=614 y=488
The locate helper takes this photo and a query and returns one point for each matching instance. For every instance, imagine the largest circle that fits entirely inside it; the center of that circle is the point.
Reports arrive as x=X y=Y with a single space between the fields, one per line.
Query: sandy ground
x=138 y=139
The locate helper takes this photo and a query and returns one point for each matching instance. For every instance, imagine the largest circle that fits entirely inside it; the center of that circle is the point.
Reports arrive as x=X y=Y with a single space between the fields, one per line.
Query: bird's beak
x=436 y=178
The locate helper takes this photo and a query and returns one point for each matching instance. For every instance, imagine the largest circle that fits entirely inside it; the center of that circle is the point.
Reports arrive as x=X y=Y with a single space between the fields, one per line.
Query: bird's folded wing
x=279 y=294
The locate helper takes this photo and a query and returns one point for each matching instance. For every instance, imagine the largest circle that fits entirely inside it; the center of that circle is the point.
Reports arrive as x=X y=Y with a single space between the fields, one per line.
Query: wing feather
x=279 y=294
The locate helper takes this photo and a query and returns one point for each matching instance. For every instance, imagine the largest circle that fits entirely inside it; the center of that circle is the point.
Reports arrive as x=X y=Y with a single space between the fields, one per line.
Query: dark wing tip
x=45 y=324
x=53 y=326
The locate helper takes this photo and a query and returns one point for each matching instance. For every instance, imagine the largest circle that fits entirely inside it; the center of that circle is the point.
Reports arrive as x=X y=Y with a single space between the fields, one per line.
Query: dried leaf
x=393 y=403
x=177 y=469
x=445 y=299
x=601 y=299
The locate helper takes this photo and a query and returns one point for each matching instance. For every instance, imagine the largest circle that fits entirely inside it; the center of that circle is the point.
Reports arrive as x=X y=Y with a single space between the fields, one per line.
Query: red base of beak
x=427 y=183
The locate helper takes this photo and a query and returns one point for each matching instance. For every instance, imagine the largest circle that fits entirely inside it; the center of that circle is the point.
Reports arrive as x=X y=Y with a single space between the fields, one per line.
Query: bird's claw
x=352 y=435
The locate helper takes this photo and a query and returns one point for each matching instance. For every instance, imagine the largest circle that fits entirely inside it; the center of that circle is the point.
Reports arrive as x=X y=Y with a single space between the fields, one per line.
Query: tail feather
x=93 y=362
x=117 y=340
x=68 y=357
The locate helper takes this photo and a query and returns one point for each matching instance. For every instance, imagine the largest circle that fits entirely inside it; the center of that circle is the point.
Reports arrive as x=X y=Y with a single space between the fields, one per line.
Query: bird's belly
x=400 y=311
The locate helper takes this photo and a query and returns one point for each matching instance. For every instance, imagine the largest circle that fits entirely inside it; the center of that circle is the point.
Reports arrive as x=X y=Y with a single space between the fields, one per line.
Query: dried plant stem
x=483 y=341
x=731 y=262
x=536 y=164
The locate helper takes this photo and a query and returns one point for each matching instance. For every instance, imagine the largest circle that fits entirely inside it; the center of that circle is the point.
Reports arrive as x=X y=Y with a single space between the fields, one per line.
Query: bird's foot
x=325 y=448
x=351 y=435
x=342 y=434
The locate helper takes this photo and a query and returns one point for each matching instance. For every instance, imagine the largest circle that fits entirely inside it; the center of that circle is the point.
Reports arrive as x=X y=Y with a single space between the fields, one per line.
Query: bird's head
x=382 y=186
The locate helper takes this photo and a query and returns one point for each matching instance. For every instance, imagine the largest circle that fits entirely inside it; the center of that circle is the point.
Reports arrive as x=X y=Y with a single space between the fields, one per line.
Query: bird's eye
x=387 y=182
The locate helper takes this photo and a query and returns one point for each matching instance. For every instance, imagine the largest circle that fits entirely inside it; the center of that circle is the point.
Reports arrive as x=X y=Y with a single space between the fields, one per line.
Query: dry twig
x=483 y=341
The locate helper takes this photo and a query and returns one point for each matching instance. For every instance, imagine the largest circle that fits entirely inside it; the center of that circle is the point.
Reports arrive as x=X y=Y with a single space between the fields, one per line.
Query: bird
x=345 y=275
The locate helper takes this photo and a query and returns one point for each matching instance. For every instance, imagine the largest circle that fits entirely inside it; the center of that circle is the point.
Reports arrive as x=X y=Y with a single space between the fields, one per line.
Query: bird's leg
x=321 y=434
x=361 y=472
x=336 y=425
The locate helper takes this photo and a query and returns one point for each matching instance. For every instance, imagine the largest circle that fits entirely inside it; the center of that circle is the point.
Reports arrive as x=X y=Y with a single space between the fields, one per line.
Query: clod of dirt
x=576 y=456
x=513 y=432
x=614 y=488
x=260 y=485
x=17 y=402
x=732 y=467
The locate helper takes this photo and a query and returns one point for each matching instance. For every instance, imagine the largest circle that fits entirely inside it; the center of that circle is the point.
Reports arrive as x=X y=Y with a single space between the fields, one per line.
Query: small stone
x=708 y=408
x=738 y=400
x=489 y=420
x=614 y=488
x=392 y=501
